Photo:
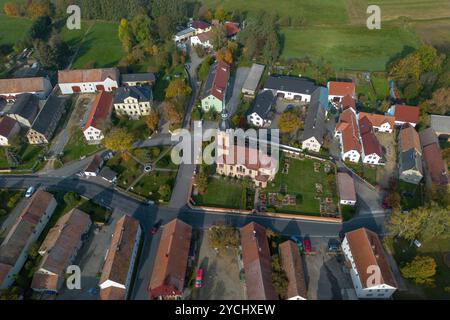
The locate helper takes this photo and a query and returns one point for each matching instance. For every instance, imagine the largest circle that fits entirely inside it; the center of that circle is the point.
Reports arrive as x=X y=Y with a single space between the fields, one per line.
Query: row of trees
x=32 y=9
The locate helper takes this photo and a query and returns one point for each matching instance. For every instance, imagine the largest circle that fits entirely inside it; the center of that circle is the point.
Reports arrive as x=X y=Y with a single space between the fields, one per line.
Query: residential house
x=348 y=134
x=292 y=264
x=290 y=88
x=436 y=172
x=98 y=118
x=410 y=156
x=25 y=109
x=364 y=256
x=337 y=90
x=427 y=137
x=380 y=122
x=372 y=152
x=214 y=95
x=346 y=189
x=120 y=260
x=404 y=114
x=11 y=88
x=259 y=114
x=251 y=83
x=47 y=120
x=133 y=102
x=202 y=40
x=314 y=127
x=8 y=128
x=169 y=270
x=257 y=263
x=108 y=175
x=441 y=125
x=94 y=166
x=26 y=231
x=88 y=81
x=138 y=79
x=59 y=250
x=232 y=29
x=184 y=34
x=241 y=161
x=348 y=102
x=200 y=26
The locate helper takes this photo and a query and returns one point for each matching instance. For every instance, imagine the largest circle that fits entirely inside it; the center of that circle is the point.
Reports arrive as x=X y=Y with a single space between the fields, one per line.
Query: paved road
x=238 y=83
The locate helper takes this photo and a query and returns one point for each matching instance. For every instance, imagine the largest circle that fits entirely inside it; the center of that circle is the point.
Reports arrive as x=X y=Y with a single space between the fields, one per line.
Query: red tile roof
x=409 y=138
x=367 y=251
x=35 y=209
x=292 y=265
x=348 y=102
x=338 y=88
x=407 y=113
x=436 y=166
x=112 y=293
x=252 y=158
x=169 y=270
x=20 y=85
x=231 y=28
x=220 y=80
x=371 y=144
x=348 y=126
x=100 y=110
x=378 y=120
x=198 y=24
x=205 y=36
x=7 y=124
x=88 y=75
x=257 y=263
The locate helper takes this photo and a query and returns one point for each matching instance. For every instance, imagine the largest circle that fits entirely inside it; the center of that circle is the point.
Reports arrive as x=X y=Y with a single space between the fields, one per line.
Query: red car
x=198 y=278
x=307 y=245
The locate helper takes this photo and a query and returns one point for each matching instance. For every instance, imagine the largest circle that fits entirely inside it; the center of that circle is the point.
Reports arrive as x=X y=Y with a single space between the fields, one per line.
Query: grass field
x=148 y=185
x=77 y=147
x=222 y=193
x=12 y=29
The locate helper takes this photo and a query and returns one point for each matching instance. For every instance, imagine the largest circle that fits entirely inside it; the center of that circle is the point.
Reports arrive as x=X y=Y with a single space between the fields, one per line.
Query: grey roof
x=26 y=106
x=315 y=119
x=13 y=245
x=290 y=84
x=27 y=72
x=440 y=123
x=139 y=77
x=262 y=104
x=107 y=173
x=51 y=112
x=142 y=94
x=185 y=31
x=427 y=137
x=410 y=160
x=251 y=83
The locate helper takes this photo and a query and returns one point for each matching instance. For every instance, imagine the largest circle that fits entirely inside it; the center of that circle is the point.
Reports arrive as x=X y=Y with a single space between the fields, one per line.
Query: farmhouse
x=169 y=271
x=314 y=129
x=88 y=81
x=292 y=264
x=59 y=250
x=404 y=114
x=8 y=128
x=120 y=259
x=251 y=83
x=98 y=117
x=259 y=114
x=348 y=134
x=138 y=79
x=346 y=189
x=25 y=232
x=441 y=125
x=364 y=254
x=47 y=120
x=380 y=123
x=25 y=109
x=410 y=156
x=290 y=88
x=202 y=40
x=338 y=90
x=257 y=263
x=133 y=102
x=372 y=152
x=11 y=88
x=214 y=95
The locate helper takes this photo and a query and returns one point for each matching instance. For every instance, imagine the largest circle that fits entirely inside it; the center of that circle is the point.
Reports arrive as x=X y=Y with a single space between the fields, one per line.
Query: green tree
x=164 y=192
x=71 y=199
x=289 y=122
x=422 y=270
x=118 y=140
x=203 y=69
x=177 y=89
x=218 y=36
x=279 y=278
x=222 y=237
x=201 y=181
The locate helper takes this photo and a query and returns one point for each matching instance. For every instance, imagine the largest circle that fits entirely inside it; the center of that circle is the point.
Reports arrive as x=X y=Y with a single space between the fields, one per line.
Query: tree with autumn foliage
x=439 y=102
x=39 y=8
x=11 y=9
x=170 y=113
x=177 y=89
x=421 y=269
x=118 y=140
x=152 y=121
x=289 y=122
x=225 y=55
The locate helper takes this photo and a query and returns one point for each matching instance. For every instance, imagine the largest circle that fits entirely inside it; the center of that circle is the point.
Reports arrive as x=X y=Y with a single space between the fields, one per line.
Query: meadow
x=12 y=29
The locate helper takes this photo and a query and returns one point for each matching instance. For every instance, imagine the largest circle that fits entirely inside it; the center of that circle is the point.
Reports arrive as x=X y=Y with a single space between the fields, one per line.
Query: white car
x=29 y=192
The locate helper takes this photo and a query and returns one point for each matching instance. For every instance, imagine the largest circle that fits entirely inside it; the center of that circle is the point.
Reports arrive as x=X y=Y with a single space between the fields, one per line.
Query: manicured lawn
x=127 y=171
x=223 y=193
x=77 y=147
x=368 y=173
x=12 y=29
x=149 y=185
x=301 y=181
x=381 y=85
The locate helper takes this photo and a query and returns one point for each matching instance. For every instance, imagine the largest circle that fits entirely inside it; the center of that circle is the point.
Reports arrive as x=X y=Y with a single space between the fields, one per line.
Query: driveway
x=384 y=174
x=238 y=82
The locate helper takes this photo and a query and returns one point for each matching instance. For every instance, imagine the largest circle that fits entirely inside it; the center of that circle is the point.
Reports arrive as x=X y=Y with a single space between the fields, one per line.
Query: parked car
x=298 y=241
x=199 y=278
x=30 y=192
x=155 y=227
x=333 y=245
x=307 y=245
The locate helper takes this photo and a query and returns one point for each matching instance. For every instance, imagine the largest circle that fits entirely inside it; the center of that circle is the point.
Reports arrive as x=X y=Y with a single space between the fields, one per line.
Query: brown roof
x=408 y=139
x=348 y=102
x=112 y=293
x=20 y=85
x=346 y=186
x=94 y=164
x=406 y=113
x=36 y=207
x=371 y=144
x=252 y=159
x=6 y=126
x=220 y=73
x=100 y=110
x=205 y=36
x=436 y=166
x=118 y=259
x=46 y=281
x=169 y=271
x=4 y=270
x=292 y=264
x=338 y=88
x=88 y=75
x=257 y=263
x=231 y=28
x=348 y=126
x=367 y=250
x=377 y=120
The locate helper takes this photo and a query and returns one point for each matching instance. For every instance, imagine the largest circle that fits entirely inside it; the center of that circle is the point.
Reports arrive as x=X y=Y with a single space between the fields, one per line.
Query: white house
x=369 y=268
x=120 y=258
x=380 y=122
x=259 y=113
x=314 y=128
x=346 y=189
x=290 y=88
x=27 y=229
x=94 y=166
x=203 y=40
x=133 y=102
x=404 y=114
x=8 y=128
x=372 y=152
x=88 y=81
x=184 y=34
x=98 y=117
x=39 y=86
x=338 y=90
x=347 y=132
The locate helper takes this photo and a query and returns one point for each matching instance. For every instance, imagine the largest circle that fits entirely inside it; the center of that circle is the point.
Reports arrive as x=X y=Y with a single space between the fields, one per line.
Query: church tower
x=223 y=134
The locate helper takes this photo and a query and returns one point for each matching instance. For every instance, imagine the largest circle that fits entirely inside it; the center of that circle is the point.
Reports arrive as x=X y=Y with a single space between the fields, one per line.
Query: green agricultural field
x=12 y=29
